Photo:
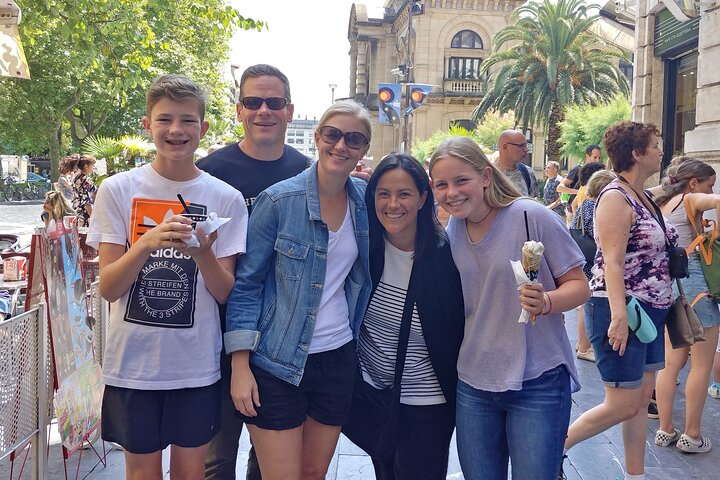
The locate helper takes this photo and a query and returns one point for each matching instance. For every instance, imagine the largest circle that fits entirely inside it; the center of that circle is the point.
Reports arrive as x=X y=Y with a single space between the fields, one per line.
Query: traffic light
x=389 y=103
x=418 y=94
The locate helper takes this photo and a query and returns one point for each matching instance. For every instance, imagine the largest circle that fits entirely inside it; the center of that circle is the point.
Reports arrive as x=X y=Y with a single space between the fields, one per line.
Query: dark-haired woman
x=631 y=260
x=410 y=261
x=84 y=191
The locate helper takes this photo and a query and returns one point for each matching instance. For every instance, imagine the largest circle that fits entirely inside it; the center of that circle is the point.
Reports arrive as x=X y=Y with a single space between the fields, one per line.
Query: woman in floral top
x=84 y=191
x=632 y=260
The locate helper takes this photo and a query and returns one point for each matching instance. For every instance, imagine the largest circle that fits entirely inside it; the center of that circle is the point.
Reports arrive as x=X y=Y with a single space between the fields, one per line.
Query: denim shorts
x=706 y=308
x=325 y=392
x=624 y=371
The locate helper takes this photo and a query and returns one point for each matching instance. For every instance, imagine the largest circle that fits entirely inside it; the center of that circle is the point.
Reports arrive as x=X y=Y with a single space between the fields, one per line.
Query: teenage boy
x=260 y=160
x=161 y=367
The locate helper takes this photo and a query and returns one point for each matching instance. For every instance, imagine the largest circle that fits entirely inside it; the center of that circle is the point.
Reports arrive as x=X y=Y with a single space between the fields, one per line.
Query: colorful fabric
x=83 y=194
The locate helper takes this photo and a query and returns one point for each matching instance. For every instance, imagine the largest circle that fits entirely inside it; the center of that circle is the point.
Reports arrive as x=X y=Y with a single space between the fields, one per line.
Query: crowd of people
x=258 y=287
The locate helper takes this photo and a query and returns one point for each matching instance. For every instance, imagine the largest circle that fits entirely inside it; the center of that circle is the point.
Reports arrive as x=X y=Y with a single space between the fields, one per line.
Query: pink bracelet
x=547 y=302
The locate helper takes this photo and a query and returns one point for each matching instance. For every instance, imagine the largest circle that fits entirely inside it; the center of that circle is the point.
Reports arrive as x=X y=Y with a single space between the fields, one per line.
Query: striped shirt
x=380 y=332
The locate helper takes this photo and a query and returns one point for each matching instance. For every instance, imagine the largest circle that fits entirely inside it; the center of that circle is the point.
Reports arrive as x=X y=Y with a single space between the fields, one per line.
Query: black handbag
x=678 y=261
x=374 y=414
x=585 y=242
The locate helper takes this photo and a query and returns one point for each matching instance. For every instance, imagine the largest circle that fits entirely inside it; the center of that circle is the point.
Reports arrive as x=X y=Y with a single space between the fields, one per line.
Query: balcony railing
x=463 y=87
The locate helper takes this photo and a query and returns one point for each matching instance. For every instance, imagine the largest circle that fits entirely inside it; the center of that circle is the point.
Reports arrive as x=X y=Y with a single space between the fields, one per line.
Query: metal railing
x=465 y=87
x=24 y=392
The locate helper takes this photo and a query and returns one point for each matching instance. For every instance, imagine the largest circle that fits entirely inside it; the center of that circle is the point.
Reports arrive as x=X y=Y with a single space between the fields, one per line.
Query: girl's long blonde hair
x=501 y=192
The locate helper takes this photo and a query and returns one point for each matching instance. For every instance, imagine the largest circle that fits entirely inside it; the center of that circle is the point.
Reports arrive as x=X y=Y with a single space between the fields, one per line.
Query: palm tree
x=552 y=62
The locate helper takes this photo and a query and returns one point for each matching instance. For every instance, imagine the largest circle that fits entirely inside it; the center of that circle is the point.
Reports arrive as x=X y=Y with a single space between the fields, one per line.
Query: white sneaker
x=714 y=391
x=690 y=445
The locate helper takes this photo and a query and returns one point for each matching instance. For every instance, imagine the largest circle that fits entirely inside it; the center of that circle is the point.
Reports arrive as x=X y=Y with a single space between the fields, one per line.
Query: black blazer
x=440 y=307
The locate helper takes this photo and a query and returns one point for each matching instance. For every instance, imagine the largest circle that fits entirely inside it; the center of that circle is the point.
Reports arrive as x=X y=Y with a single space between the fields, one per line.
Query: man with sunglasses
x=259 y=160
x=512 y=149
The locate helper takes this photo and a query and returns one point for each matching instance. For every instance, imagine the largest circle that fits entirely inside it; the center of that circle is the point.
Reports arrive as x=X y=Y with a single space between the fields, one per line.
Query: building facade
x=448 y=40
x=300 y=135
x=677 y=73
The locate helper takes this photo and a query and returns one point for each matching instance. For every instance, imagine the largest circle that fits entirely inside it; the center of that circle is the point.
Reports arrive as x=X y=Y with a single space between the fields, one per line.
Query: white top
x=165 y=331
x=332 y=325
x=380 y=334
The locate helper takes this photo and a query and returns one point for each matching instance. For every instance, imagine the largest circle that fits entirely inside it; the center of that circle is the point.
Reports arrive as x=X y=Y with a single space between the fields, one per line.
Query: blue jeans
x=528 y=426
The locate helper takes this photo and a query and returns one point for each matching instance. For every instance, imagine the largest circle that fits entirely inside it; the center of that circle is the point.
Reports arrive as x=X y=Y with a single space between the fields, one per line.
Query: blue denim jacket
x=279 y=281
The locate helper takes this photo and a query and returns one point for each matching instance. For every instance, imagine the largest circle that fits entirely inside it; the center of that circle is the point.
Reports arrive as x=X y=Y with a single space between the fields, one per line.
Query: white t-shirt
x=332 y=326
x=165 y=331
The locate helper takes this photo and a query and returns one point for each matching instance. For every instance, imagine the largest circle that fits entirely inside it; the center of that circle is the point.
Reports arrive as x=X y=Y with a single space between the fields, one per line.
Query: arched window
x=466 y=39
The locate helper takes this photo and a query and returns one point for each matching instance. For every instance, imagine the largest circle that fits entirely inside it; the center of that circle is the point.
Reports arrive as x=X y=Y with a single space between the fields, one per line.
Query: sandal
x=665 y=439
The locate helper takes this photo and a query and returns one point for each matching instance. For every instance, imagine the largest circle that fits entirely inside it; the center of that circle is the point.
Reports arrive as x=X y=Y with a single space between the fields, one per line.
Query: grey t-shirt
x=498 y=353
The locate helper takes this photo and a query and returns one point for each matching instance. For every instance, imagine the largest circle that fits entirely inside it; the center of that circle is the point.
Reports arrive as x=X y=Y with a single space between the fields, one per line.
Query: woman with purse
x=514 y=378
x=300 y=294
x=416 y=286
x=582 y=223
x=687 y=193
x=633 y=260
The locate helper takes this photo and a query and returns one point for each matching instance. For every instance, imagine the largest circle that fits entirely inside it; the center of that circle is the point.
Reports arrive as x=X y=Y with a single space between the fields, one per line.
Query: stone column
x=703 y=142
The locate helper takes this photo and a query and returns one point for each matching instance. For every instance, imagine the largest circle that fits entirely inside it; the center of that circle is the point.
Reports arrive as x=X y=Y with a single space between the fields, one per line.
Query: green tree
x=493 y=124
x=91 y=62
x=422 y=150
x=585 y=125
x=551 y=63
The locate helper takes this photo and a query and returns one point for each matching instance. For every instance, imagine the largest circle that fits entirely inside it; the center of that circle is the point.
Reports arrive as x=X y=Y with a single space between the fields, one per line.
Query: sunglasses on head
x=273 y=103
x=354 y=140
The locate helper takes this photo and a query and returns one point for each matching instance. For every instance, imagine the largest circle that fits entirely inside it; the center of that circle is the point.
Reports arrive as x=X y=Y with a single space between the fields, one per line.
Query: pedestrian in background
x=410 y=261
x=515 y=379
x=300 y=295
x=688 y=181
x=632 y=259
x=584 y=218
x=84 y=190
x=64 y=185
x=551 y=198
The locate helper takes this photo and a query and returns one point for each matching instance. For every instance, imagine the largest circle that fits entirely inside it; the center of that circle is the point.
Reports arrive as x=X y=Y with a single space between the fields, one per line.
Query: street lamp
x=332 y=86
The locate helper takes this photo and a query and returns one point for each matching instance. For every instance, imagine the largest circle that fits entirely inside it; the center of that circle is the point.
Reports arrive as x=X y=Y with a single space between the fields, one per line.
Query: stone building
x=677 y=72
x=449 y=39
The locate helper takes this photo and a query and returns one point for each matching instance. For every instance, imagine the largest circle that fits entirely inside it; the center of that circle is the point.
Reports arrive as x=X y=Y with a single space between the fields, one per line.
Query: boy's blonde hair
x=177 y=88
x=500 y=193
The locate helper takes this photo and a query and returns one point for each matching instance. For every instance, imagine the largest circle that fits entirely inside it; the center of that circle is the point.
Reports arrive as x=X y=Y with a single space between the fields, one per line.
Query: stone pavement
x=600 y=458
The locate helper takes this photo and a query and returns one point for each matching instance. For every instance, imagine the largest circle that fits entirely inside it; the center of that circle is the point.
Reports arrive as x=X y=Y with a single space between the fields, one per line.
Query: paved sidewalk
x=600 y=458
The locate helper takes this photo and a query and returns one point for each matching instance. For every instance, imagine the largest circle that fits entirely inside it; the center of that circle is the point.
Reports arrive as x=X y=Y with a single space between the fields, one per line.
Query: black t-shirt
x=574 y=176
x=248 y=175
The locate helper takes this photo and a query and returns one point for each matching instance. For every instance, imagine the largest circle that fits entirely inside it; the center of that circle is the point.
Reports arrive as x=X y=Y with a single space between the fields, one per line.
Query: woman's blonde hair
x=348 y=107
x=501 y=192
x=59 y=206
x=598 y=181
x=682 y=169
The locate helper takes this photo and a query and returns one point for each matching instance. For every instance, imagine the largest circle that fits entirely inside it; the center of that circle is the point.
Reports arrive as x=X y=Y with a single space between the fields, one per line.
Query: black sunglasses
x=273 y=103
x=519 y=145
x=354 y=140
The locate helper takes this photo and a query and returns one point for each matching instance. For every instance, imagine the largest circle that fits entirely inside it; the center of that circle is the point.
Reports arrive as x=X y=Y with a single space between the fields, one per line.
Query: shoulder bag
x=374 y=413
x=682 y=323
x=709 y=246
x=585 y=242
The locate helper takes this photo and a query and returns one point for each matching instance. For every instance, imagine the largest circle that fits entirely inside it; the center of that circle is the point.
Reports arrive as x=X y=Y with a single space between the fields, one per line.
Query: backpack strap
x=526 y=175
x=699 y=296
x=706 y=252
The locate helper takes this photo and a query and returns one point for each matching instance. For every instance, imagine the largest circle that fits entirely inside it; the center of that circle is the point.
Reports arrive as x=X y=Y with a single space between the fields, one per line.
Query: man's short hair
x=261 y=70
x=176 y=88
x=589 y=149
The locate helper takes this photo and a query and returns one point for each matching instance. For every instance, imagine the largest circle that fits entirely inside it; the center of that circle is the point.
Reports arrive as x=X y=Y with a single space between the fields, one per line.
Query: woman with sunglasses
x=410 y=261
x=300 y=295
